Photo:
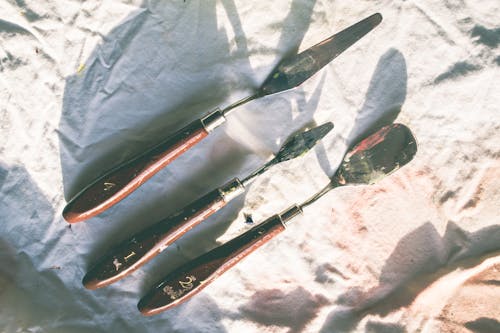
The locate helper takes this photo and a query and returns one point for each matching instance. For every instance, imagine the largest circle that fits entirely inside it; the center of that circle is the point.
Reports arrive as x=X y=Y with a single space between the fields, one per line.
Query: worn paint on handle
x=192 y=277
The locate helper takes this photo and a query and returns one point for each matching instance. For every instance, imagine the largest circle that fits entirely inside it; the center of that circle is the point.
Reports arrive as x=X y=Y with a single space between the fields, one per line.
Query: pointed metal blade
x=293 y=71
x=378 y=155
x=300 y=143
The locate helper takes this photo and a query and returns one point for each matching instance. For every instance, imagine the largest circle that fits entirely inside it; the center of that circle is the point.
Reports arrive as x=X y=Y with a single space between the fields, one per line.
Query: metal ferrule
x=213 y=120
x=231 y=189
x=289 y=214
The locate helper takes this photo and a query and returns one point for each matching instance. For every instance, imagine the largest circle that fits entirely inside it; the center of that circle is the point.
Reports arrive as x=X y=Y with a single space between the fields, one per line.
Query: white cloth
x=86 y=85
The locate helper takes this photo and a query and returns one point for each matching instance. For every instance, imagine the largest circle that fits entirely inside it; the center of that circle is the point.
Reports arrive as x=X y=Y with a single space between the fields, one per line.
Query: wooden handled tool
x=142 y=247
x=192 y=277
x=375 y=157
x=120 y=181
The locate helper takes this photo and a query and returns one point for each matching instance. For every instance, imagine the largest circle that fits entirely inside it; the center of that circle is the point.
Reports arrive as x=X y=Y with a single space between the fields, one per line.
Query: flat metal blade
x=378 y=155
x=302 y=142
x=292 y=71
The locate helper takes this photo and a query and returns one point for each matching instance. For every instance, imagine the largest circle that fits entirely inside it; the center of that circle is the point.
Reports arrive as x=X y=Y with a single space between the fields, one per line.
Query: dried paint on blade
x=293 y=71
x=371 y=141
x=380 y=154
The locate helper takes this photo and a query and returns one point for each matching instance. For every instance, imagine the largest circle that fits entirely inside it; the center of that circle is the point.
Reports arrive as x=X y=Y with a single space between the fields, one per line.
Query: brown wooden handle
x=195 y=275
x=119 y=182
x=142 y=247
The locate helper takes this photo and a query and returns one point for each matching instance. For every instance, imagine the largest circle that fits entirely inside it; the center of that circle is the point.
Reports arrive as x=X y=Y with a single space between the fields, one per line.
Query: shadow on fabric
x=383 y=102
x=152 y=74
x=409 y=270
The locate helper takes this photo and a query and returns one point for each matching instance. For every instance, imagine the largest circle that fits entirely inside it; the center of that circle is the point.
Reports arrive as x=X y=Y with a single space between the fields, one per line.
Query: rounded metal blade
x=378 y=155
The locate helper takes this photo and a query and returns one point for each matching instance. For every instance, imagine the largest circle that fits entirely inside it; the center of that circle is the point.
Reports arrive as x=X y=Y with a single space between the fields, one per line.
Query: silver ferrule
x=231 y=189
x=213 y=120
x=289 y=214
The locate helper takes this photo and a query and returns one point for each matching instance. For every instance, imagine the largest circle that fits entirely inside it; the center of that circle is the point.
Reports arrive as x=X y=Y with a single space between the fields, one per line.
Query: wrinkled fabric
x=87 y=85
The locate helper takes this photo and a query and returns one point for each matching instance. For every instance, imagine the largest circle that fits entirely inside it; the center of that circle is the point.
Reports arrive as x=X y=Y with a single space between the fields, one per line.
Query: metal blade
x=295 y=146
x=378 y=155
x=300 y=143
x=293 y=71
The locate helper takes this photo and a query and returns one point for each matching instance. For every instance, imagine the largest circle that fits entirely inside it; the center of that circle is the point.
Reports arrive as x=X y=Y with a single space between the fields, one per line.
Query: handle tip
x=377 y=17
x=78 y=210
x=157 y=301
x=74 y=212
x=145 y=310
x=151 y=304
x=91 y=282
x=71 y=216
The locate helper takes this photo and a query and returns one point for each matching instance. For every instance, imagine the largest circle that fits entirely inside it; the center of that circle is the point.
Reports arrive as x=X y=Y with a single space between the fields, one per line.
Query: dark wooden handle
x=195 y=275
x=119 y=182
x=142 y=247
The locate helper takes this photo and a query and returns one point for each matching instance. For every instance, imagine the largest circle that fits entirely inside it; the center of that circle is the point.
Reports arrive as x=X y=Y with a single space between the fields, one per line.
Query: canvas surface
x=86 y=85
